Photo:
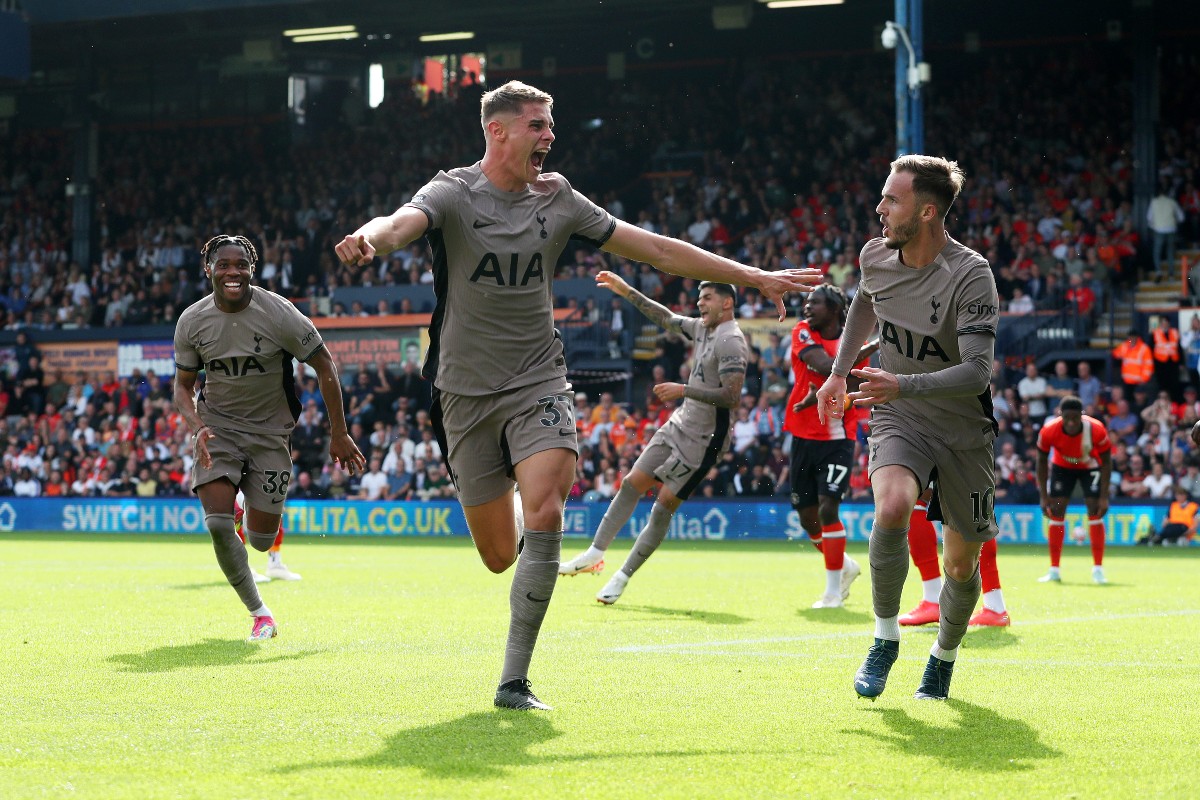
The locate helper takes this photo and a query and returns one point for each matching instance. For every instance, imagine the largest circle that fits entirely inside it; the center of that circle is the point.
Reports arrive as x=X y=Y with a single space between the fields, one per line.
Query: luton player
x=922 y=544
x=245 y=338
x=931 y=417
x=1074 y=449
x=690 y=443
x=503 y=408
x=822 y=452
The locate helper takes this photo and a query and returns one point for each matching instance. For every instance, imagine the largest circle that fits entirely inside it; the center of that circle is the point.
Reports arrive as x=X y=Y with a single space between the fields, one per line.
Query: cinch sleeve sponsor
x=979 y=306
x=297 y=333
x=731 y=356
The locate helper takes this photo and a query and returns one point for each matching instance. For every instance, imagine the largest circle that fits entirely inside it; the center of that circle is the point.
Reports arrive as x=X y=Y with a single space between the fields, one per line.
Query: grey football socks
x=231 y=557
x=957 y=601
x=259 y=541
x=618 y=513
x=889 y=568
x=649 y=539
x=532 y=586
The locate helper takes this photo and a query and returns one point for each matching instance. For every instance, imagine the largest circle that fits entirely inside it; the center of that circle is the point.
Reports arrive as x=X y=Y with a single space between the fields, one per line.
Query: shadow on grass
x=482 y=746
x=475 y=747
x=835 y=616
x=982 y=740
x=195 y=587
x=989 y=638
x=697 y=614
x=211 y=652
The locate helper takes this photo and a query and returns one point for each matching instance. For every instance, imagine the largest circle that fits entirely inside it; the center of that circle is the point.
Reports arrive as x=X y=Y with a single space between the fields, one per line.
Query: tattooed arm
x=731 y=356
x=727 y=396
x=657 y=313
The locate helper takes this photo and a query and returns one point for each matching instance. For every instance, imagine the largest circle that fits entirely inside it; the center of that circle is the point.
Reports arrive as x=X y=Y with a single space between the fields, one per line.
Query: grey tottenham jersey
x=715 y=353
x=247 y=360
x=921 y=314
x=494 y=254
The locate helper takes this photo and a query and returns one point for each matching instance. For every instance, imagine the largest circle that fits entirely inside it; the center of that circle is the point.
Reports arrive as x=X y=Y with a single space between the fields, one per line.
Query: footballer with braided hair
x=244 y=338
x=822 y=452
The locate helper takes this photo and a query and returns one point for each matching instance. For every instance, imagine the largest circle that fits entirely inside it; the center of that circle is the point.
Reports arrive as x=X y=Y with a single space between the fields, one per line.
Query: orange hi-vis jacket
x=1166 y=345
x=1137 y=362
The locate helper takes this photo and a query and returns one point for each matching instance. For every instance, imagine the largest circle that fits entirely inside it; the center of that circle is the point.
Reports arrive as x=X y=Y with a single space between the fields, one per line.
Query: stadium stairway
x=1153 y=296
x=646 y=342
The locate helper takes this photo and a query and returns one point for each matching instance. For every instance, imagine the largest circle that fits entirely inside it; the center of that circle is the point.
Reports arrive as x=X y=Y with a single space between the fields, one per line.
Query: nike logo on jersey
x=981 y=528
x=477 y=224
x=276 y=500
x=879 y=299
x=206 y=344
x=566 y=433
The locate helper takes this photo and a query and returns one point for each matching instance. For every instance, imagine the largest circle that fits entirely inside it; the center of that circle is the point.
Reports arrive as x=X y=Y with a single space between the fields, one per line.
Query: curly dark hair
x=833 y=295
x=209 y=251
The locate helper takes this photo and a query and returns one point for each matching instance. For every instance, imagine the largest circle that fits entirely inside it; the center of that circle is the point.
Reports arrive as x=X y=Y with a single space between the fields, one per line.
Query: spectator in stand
x=1034 y=390
x=1020 y=303
x=1155 y=441
x=26 y=485
x=373 y=485
x=1123 y=424
x=1160 y=411
x=1058 y=386
x=1133 y=480
x=1020 y=488
x=1164 y=215
x=1088 y=386
x=1158 y=483
x=1080 y=296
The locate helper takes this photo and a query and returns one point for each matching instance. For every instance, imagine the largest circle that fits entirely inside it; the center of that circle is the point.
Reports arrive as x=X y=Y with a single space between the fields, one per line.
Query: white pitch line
x=700 y=647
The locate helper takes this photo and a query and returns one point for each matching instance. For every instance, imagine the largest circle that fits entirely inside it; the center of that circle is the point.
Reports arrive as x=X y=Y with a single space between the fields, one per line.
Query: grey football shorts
x=680 y=465
x=484 y=437
x=260 y=464
x=964 y=481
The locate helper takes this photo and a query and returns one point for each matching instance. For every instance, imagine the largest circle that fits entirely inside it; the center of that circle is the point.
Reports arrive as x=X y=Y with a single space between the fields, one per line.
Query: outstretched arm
x=382 y=235
x=657 y=313
x=681 y=258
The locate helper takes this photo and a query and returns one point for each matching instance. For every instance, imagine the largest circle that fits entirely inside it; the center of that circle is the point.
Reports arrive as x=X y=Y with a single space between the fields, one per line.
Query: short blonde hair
x=510 y=98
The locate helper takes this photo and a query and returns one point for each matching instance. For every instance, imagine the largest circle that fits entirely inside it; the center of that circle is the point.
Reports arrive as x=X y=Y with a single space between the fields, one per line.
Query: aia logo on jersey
x=489 y=269
x=235 y=367
x=906 y=343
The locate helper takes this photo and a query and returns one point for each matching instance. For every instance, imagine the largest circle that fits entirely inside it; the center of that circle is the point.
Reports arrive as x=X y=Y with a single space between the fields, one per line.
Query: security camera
x=888 y=37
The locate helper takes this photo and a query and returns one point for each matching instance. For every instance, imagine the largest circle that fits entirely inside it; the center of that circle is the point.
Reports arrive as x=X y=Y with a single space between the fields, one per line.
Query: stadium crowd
x=760 y=172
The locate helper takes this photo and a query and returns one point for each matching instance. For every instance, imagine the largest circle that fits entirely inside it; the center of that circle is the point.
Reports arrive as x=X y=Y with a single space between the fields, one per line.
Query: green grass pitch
x=125 y=674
